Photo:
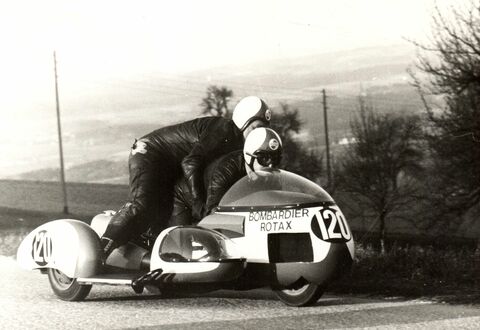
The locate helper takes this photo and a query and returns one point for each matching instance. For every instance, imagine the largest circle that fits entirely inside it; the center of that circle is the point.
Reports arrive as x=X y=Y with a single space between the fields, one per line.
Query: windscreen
x=274 y=187
x=185 y=244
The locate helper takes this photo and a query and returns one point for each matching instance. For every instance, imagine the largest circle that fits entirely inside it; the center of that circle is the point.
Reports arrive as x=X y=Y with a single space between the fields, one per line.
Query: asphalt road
x=26 y=302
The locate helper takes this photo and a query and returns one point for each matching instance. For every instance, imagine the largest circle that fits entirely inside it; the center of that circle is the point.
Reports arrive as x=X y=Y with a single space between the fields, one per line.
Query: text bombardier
x=277 y=215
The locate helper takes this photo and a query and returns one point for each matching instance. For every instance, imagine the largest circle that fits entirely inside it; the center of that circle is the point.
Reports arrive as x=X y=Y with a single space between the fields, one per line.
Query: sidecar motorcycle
x=279 y=230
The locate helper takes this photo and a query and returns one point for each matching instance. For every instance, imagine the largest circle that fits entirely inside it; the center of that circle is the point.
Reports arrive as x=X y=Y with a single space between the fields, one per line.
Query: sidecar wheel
x=304 y=296
x=67 y=288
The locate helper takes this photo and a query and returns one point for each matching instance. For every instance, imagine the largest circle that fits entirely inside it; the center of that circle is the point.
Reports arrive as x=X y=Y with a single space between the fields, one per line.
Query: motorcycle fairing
x=312 y=241
x=67 y=245
x=324 y=224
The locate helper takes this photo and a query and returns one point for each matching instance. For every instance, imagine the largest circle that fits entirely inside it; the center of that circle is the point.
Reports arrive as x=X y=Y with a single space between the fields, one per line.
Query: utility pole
x=327 y=142
x=59 y=129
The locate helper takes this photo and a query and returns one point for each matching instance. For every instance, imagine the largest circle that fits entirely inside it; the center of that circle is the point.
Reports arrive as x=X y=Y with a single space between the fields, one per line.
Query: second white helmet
x=263 y=144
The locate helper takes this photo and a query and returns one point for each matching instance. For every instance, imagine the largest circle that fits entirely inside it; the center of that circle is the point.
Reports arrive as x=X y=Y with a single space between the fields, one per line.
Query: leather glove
x=108 y=246
x=198 y=210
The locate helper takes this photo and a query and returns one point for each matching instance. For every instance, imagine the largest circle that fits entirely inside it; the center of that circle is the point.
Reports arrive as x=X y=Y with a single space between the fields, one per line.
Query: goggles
x=266 y=159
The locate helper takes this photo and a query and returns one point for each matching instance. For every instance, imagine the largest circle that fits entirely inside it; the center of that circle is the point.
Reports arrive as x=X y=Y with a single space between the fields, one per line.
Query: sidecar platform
x=225 y=271
x=111 y=279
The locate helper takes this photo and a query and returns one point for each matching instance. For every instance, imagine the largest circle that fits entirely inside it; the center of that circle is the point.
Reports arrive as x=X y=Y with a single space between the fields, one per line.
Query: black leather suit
x=158 y=160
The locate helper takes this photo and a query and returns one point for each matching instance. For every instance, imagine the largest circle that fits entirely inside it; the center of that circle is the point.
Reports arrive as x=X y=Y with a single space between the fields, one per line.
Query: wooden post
x=59 y=129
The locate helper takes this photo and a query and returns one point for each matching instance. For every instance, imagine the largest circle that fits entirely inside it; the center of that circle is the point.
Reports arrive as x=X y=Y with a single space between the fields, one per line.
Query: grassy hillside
x=100 y=155
x=98 y=171
x=26 y=202
x=397 y=98
x=101 y=123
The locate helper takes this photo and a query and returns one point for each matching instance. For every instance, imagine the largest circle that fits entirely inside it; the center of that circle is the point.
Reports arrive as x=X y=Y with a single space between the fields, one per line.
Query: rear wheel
x=67 y=288
x=305 y=295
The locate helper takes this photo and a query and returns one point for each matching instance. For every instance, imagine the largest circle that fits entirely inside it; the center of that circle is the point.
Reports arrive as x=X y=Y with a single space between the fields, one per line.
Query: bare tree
x=216 y=101
x=378 y=170
x=296 y=157
x=451 y=63
x=285 y=122
x=449 y=70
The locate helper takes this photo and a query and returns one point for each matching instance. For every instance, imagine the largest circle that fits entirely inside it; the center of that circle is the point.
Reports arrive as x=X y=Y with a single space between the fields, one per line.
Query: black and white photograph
x=240 y=164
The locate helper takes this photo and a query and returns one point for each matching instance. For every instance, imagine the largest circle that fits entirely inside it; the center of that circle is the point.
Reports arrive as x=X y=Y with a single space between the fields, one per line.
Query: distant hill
x=101 y=124
x=24 y=198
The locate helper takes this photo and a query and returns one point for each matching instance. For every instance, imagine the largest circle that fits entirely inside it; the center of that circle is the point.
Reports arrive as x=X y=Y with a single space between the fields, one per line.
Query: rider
x=157 y=159
x=262 y=151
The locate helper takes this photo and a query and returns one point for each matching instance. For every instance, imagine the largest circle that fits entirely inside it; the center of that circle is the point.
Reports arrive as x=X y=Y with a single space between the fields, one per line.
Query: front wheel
x=306 y=295
x=67 y=288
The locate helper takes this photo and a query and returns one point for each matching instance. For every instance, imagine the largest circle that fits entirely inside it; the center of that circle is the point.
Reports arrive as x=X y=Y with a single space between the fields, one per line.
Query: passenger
x=159 y=158
x=262 y=152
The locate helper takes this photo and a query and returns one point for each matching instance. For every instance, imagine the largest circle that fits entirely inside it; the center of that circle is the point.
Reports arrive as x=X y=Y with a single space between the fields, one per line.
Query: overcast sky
x=183 y=35
x=95 y=38
x=103 y=39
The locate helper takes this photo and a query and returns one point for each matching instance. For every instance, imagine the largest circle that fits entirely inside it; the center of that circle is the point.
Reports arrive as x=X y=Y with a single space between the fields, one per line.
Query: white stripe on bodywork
x=111 y=281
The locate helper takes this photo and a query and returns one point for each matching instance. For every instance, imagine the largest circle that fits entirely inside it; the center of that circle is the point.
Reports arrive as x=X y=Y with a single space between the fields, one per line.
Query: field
x=25 y=205
x=30 y=200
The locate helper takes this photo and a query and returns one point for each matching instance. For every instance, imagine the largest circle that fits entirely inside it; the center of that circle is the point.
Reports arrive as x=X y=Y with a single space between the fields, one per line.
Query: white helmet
x=263 y=144
x=250 y=108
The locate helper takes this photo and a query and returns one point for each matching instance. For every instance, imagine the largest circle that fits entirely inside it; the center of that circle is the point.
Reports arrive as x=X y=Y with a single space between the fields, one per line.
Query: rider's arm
x=226 y=172
x=217 y=138
x=210 y=144
x=192 y=166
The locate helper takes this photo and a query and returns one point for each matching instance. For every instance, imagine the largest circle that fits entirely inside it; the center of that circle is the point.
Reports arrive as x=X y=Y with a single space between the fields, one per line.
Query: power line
x=193 y=86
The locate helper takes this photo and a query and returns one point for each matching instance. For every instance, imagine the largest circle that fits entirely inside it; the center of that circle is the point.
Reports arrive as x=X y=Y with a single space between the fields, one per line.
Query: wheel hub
x=62 y=279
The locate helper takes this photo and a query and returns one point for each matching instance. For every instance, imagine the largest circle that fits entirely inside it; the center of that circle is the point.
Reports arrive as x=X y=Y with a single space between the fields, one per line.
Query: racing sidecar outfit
x=156 y=161
x=218 y=177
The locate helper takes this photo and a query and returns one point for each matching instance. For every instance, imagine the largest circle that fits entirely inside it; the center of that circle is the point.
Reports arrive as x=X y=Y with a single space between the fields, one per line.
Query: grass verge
x=447 y=274
x=15 y=224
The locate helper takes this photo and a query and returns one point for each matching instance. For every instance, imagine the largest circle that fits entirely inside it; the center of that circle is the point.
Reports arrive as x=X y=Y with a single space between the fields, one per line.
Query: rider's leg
x=150 y=201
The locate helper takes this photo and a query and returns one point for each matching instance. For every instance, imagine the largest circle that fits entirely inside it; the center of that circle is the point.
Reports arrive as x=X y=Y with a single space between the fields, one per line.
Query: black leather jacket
x=220 y=175
x=192 y=145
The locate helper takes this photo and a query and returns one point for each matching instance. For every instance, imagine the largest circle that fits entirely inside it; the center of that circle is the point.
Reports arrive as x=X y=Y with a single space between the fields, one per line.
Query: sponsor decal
x=268 y=114
x=273 y=144
x=277 y=220
x=277 y=214
x=42 y=248
x=276 y=225
x=139 y=147
x=330 y=225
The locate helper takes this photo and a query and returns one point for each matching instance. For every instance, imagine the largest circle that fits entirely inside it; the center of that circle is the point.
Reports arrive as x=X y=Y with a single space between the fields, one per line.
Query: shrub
x=410 y=270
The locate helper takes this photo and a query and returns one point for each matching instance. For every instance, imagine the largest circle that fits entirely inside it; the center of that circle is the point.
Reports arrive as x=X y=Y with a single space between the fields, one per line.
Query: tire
x=67 y=288
x=306 y=295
